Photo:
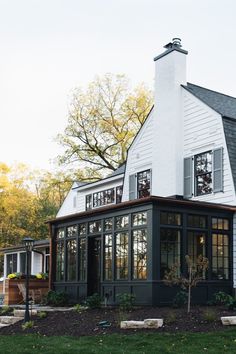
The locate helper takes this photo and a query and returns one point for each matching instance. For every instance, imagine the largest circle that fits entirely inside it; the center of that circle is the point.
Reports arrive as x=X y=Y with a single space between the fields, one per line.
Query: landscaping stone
x=228 y=321
x=9 y=319
x=153 y=322
x=148 y=323
x=21 y=313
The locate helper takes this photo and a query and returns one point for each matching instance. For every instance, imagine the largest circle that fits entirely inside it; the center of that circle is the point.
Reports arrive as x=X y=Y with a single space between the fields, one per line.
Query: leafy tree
x=195 y=274
x=27 y=199
x=102 y=123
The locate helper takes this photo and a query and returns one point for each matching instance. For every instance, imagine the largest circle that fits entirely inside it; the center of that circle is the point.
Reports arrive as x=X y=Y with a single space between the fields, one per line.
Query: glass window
x=220 y=256
x=82 y=229
x=60 y=261
x=196 y=246
x=220 y=224
x=139 y=219
x=108 y=224
x=72 y=231
x=11 y=263
x=140 y=254
x=122 y=221
x=95 y=227
x=88 y=201
x=119 y=192
x=60 y=233
x=170 y=249
x=168 y=218
x=104 y=197
x=108 y=257
x=197 y=221
x=122 y=255
x=203 y=173
x=23 y=263
x=143 y=183
x=82 y=259
x=71 y=260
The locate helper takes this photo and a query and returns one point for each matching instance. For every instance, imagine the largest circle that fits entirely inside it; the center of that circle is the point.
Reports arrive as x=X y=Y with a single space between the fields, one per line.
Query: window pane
x=72 y=231
x=143 y=184
x=122 y=222
x=88 y=202
x=95 y=227
x=108 y=257
x=11 y=263
x=119 y=192
x=140 y=254
x=122 y=255
x=104 y=197
x=82 y=229
x=197 y=221
x=71 y=260
x=170 y=249
x=61 y=233
x=220 y=224
x=82 y=259
x=220 y=256
x=196 y=246
x=60 y=262
x=170 y=218
x=203 y=173
x=140 y=219
x=108 y=224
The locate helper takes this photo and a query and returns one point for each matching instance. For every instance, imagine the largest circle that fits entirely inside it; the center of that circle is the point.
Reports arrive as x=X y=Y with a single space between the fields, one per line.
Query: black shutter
x=218 y=170
x=188 y=177
x=132 y=187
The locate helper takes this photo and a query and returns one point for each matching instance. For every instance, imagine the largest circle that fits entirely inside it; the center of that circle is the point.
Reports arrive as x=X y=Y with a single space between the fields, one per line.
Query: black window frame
x=144 y=180
x=202 y=174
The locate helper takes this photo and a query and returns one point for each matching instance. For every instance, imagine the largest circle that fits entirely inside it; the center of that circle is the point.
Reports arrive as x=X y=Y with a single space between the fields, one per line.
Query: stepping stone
x=229 y=320
x=153 y=322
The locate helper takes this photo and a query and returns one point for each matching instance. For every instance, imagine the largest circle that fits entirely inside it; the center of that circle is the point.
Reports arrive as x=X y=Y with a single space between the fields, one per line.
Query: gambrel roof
x=226 y=106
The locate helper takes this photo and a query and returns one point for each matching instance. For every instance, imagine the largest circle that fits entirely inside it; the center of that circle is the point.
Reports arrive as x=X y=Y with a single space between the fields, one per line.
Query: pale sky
x=49 y=47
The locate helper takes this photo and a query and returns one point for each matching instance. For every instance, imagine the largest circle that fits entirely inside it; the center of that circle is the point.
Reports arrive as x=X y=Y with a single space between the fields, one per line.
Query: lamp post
x=28 y=243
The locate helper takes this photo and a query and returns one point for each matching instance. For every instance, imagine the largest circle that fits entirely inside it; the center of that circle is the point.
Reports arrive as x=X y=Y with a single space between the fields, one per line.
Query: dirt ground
x=86 y=323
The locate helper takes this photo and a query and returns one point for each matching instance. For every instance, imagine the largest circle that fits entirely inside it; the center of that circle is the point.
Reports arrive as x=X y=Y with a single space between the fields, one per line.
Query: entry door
x=94 y=265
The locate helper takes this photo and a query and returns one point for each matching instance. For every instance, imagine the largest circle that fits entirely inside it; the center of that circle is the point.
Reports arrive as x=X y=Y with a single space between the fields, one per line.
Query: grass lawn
x=189 y=343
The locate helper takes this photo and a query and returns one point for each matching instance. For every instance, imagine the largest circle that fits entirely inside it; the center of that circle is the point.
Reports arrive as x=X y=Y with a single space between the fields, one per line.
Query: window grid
x=139 y=254
x=144 y=183
x=203 y=173
x=122 y=255
x=108 y=257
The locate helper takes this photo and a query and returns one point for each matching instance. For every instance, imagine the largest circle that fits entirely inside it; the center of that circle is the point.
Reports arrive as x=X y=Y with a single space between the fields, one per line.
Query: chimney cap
x=170 y=47
x=176 y=42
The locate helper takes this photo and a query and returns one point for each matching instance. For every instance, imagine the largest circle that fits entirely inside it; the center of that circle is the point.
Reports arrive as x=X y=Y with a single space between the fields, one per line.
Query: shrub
x=6 y=310
x=209 y=315
x=170 y=317
x=28 y=325
x=42 y=314
x=79 y=308
x=126 y=301
x=231 y=303
x=180 y=299
x=93 y=301
x=56 y=298
x=221 y=298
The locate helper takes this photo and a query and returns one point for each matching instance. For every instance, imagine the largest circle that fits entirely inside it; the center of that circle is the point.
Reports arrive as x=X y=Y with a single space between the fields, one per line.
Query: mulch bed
x=86 y=323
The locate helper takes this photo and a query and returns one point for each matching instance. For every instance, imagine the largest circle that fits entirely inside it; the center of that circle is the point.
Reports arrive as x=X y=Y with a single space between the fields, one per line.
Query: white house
x=174 y=196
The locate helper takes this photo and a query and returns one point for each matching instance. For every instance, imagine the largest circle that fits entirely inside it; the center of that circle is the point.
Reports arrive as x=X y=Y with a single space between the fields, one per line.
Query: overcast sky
x=49 y=47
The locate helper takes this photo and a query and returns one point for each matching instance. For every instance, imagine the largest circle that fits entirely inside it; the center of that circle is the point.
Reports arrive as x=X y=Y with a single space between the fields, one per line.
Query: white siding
x=68 y=207
x=234 y=250
x=203 y=130
x=140 y=154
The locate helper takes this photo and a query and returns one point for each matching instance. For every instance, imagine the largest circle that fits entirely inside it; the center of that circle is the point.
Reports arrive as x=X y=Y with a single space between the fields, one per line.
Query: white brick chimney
x=170 y=73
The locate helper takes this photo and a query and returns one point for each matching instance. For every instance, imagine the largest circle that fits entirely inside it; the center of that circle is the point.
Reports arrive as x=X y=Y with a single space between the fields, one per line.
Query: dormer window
x=203 y=173
x=105 y=197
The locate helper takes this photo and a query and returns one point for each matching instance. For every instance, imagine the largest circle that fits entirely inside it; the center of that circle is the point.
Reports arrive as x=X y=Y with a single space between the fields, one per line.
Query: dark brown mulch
x=87 y=322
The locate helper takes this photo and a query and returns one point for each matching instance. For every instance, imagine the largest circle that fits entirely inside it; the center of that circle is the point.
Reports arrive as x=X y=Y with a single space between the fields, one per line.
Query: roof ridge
x=220 y=93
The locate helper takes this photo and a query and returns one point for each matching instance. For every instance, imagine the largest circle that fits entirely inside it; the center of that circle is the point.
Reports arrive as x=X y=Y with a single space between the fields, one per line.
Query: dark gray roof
x=223 y=104
x=118 y=171
x=226 y=107
x=230 y=136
